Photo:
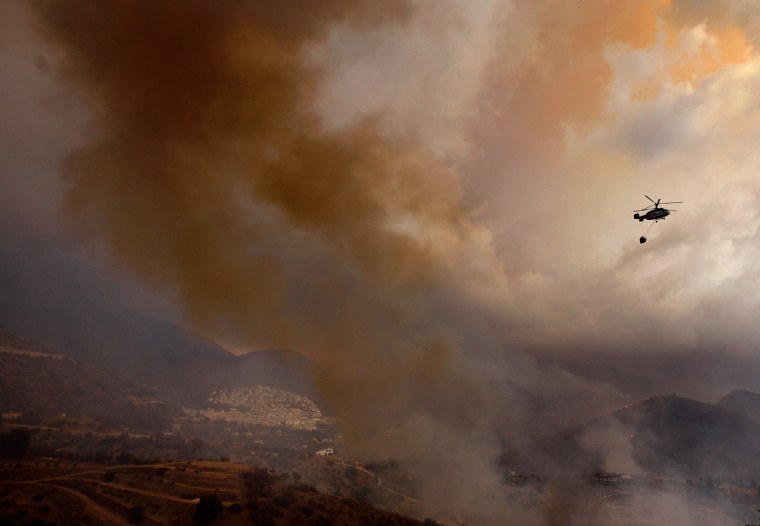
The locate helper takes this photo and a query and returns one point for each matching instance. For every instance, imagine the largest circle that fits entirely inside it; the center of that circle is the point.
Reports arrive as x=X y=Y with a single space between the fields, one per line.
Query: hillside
x=274 y=502
x=177 y=493
x=183 y=366
x=40 y=385
x=141 y=349
x=192 y=380
x=742 y=401
x=663 y=436
x=14 y=341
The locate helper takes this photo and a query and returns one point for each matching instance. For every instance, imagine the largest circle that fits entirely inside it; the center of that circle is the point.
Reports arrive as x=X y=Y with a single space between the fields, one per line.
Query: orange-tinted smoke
x=550 y=71
x=554 y=72
x=210 y=176
x=208 y=161
x=550 y=80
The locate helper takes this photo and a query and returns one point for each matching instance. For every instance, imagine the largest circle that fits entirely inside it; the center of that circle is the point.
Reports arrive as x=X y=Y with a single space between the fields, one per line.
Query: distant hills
x=41 y=385
x=183 y=365
x=662 y=436
x=140 y=371
x=105 y=372
x=10 y=340
x=744 y=402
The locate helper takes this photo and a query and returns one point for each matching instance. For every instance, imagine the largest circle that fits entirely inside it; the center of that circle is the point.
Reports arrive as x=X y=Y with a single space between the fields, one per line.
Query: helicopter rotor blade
x=645 y=195
x=671 y=202
x=647 y=208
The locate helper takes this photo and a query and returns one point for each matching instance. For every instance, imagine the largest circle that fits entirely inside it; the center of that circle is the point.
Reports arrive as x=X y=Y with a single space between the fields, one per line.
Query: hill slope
x=666 y=436
x=140 y=349
x=172 y=493
x=42 y=384
x=742 y=401
x=183 y=366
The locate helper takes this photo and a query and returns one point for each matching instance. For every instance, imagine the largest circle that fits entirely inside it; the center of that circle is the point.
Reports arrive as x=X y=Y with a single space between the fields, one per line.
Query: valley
x=112 y=450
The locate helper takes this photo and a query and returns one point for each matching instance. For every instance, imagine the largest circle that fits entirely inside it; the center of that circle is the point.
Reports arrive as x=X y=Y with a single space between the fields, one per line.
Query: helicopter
x=654 y=213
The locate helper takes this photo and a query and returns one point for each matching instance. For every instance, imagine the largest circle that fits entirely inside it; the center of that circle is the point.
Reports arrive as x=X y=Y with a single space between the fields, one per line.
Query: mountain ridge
x=171 y=364
x=662 y=435
x=39 y=385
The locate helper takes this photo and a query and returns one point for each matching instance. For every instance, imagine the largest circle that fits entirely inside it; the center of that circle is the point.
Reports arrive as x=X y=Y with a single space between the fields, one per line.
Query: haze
x=434 y=198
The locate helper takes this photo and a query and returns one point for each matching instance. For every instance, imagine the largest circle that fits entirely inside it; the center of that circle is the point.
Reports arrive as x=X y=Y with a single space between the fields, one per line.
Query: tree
x=207 y=509
x=14 y=445
x=350 y=473
x=136 y=513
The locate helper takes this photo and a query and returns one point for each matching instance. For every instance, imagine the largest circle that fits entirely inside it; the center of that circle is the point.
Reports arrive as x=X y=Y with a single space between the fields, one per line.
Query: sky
x=435 y=197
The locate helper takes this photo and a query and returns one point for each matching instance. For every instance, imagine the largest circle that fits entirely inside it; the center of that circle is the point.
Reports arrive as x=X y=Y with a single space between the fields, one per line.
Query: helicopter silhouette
x=654 y=213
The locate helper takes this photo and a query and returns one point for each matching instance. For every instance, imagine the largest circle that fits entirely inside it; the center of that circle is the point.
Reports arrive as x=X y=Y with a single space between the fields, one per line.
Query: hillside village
x=260 y=405
x=81 y=414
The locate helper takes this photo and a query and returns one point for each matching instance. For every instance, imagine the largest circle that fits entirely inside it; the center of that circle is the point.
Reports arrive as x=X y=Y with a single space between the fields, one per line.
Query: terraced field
x=91 y=494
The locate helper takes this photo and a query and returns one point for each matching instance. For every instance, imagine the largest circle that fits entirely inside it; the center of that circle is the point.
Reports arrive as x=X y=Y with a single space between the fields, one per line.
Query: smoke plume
x=269 y=167
x=210 y=175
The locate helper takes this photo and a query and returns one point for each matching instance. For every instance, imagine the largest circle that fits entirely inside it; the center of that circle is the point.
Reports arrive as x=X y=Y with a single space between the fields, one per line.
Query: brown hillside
x=44 y=492
x=42 y=385
x=663 y=436
x=272 y=502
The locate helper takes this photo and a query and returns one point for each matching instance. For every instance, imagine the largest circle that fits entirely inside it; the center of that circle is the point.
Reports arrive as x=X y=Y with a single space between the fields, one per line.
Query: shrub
x=207 y=509
x=283 y=501
x=136 y=514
